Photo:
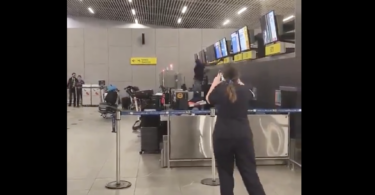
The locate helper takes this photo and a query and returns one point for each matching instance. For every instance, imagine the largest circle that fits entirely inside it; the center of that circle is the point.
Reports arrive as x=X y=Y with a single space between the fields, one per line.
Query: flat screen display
x=269 y=28
x=235 y=43
x=203 y=56
x=224 y=48
x=210 y=53
x=218 y=53
x=244 y=38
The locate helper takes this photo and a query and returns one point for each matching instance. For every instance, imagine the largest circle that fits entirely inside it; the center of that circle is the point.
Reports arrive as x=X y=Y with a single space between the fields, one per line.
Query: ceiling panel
x=199 y=13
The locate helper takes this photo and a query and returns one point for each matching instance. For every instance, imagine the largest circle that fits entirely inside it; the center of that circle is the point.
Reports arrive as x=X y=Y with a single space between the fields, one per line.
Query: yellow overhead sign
x=237 y=57
x=143 y=61
x=247 y=55
x=273 y=49
x=226 y=60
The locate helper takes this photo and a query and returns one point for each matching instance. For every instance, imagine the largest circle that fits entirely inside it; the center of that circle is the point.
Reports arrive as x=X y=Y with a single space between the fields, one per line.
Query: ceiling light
x=184 y=9
x=130 y=1
x=133 y=11
x=179 y=20
x=242 y=10
x=92 y=11
x=226 y=22
x=288 y=18
x=136 y=21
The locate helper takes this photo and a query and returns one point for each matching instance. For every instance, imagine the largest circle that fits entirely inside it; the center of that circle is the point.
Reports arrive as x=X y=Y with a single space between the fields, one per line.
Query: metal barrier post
x=118 y=184
x=213 y=181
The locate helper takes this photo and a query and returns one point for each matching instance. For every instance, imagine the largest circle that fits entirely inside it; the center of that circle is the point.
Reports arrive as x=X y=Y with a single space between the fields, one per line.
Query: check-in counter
x=190 y=136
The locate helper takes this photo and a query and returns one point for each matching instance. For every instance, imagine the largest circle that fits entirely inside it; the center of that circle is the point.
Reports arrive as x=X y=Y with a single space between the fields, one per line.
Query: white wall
x=85 y=22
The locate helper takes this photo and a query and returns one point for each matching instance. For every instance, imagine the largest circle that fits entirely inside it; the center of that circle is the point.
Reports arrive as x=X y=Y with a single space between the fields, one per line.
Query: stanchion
x=213 y=181
x=118 y=184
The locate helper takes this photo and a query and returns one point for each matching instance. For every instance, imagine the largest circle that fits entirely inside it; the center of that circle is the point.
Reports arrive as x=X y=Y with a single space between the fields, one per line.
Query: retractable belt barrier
x=212 y=181
x=200 y=112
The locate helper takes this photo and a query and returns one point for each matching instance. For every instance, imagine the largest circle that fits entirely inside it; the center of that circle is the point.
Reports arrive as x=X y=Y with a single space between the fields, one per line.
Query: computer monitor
x=236 y=48
x=218 y=53
x=203 y=56
x=244 y=39
x=268 y=24
x=210 y=54
x=224 y=48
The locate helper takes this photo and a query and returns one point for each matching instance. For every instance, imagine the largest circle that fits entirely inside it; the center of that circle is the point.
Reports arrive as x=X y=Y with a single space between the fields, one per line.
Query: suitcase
x=145 y=94
x=149 y=140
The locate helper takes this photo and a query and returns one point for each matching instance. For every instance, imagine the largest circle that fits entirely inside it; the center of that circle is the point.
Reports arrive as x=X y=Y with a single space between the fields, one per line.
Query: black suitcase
x=149 y=140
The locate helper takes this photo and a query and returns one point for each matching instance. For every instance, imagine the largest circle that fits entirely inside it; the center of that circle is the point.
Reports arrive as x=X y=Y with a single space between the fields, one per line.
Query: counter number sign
x=179 y=95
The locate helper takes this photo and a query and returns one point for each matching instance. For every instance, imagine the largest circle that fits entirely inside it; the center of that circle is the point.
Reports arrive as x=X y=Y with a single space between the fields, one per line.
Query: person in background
x=198 y=75
x=79 y=84
x=232 y=137
x=72 y=81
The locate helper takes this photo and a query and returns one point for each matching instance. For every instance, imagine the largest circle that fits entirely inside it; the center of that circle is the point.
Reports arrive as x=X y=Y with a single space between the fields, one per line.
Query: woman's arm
x=209 y=93
x=213 y=86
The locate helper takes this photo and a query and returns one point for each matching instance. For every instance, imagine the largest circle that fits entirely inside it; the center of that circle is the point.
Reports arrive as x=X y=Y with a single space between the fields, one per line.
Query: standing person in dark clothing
x=79 y=89
x=72 y=81
x=198 y=75
x=232 y=136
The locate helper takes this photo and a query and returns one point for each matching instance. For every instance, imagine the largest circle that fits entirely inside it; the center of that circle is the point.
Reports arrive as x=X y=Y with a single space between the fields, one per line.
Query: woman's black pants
x=72 y=94
x=79 y=96
x=240 y=150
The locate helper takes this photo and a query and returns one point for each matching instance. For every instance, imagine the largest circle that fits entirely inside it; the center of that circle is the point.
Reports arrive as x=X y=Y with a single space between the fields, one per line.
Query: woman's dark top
x=231 y=119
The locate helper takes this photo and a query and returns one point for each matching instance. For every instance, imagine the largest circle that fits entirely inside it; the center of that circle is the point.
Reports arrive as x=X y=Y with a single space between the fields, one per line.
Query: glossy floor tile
x=91 y=164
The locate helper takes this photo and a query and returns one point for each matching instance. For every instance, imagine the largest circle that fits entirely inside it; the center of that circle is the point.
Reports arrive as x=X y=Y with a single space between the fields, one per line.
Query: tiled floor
x=91 y=164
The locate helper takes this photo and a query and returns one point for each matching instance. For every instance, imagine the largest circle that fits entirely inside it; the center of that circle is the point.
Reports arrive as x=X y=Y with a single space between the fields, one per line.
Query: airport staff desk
x=189 y=140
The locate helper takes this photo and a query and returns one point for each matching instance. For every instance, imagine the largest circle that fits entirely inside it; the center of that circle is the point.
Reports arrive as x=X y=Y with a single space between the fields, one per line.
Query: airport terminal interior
x=91 y=164
x=139 y=76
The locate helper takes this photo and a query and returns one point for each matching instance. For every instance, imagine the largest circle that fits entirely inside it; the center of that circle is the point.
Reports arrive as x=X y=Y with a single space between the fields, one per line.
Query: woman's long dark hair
x=230 y=75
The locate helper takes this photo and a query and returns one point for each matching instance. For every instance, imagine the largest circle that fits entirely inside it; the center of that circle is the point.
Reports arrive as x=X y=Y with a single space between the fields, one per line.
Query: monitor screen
x=244 y=39
x=269 y=28
x=224 y=48
x=217 y=50
x=203 y=57
x=235 y=43
x=210 y=53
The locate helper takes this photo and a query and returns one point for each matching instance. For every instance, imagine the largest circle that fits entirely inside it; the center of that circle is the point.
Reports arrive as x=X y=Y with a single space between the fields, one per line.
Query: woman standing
x=232 y=136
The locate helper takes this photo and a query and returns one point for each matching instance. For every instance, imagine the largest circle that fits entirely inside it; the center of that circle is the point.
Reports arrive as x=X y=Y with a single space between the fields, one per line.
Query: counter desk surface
x=190 y=136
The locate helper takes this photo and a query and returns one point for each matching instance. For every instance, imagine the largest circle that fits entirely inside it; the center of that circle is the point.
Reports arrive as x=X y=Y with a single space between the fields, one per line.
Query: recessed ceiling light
x=179 y=20
x=184 y=9
x=130 y=1
x=288 y=18
x=226 y=22
x=133 y=11
x=136 y=21
x=242 y=10
x=92 y=11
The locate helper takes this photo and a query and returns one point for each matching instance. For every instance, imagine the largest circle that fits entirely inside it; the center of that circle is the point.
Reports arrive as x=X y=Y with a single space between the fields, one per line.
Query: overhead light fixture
x=136 y=21
x=130 y=1
x=133 y=11
x=92 y=11
x=288 y=18
x=184 y=9
x=226 y=22
x=179 y=20
x=242 y=10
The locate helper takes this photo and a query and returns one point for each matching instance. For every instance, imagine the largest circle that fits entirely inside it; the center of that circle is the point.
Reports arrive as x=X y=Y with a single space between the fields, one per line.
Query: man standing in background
x=72 y=81
x=198 y=75
x=79 y=84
